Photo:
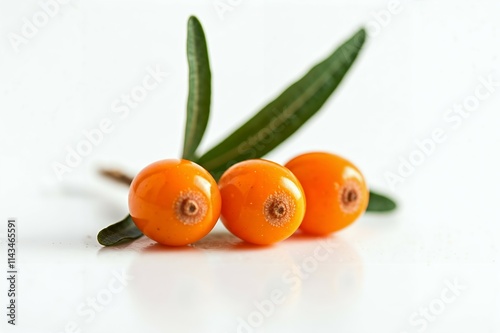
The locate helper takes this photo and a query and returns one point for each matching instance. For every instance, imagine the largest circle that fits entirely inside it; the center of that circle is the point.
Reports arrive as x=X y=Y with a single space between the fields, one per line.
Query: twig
x=117 y=176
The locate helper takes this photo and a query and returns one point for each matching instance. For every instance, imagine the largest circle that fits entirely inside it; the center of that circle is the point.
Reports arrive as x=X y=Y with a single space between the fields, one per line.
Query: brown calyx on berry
x=190 y=207
x=279 y=208
x=350 y=197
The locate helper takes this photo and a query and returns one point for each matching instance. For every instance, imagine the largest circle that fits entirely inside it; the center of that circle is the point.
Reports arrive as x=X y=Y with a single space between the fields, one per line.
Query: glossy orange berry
x=262 y=202
x=336 y=191
x=174 y=202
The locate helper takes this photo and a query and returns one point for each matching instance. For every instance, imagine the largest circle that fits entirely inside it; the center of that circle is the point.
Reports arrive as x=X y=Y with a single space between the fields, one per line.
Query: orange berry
x=336 y=191
x=262 y=202
x=174 y=202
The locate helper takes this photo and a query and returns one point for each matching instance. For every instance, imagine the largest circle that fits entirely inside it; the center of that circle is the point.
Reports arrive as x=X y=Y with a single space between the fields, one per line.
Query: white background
x=384 y=270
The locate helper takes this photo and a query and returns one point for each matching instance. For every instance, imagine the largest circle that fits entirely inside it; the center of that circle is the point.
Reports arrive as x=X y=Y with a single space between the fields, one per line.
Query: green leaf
x=380 y=203
x=119 y=233
x=198 y=104
x=287 y=113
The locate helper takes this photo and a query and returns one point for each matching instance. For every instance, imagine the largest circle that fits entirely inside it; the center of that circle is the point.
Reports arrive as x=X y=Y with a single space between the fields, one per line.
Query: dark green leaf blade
x=287 y=113
x=380 y=203
x=199 y=96
x=119 y=233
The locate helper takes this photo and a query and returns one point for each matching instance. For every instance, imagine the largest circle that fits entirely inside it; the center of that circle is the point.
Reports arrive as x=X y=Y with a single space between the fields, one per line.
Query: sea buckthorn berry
x=174 y=202
x=336 y=191
x=262 y=201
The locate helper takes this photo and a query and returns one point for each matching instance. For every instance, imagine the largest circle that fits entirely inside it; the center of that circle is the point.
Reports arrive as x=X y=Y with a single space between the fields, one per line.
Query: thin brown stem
x=117 y=176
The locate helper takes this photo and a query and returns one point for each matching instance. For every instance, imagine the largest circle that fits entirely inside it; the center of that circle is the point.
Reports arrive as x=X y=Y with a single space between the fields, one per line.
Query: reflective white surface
x=432 y=266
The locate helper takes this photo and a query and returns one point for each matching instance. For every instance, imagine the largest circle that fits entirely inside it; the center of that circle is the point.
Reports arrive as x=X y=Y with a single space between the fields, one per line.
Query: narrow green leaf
x=287 y=113
x=198 y=104
x=380 y=203
x=119 y=233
